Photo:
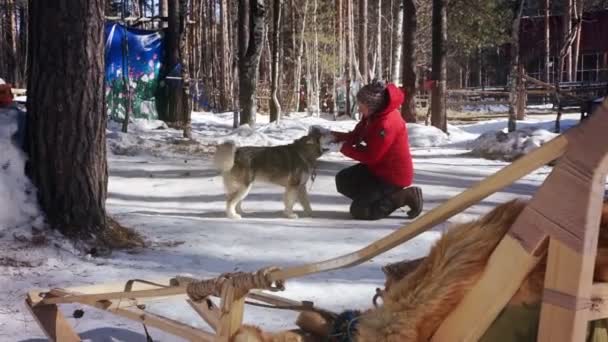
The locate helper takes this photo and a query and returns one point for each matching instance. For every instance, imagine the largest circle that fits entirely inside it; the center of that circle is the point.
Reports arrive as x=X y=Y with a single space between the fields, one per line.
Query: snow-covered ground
x=167 y=190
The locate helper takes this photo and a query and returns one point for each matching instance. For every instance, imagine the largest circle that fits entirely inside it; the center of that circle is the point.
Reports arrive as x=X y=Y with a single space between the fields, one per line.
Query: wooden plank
x=52 y=322
x=165 y=324
x=526 y=164
x=231 y=315
x=599 y=301
x=570 y=273
x=93 y=297
x=210 y=315
x=507 y=267
x=272 y=299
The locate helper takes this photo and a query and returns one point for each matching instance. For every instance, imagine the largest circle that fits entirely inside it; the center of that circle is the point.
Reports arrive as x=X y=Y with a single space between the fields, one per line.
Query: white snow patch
x=509 y=146
x=18 y=204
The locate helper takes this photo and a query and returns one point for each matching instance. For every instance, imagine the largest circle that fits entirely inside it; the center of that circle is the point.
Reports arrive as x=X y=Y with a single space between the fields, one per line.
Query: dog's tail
x=223 y=160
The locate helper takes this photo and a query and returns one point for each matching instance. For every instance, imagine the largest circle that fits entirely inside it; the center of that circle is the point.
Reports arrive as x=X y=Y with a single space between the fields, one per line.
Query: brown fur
x=417 y=303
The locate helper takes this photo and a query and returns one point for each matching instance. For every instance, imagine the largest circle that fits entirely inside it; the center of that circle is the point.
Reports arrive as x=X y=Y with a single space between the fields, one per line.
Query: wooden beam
x=210 y=315
x=50 y=320
x=509 y=174
x=231 y=313
x=507 y=267
x=569 y=273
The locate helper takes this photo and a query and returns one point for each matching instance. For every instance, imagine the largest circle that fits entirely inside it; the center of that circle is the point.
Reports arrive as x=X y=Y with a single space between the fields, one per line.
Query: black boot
x=411 y=197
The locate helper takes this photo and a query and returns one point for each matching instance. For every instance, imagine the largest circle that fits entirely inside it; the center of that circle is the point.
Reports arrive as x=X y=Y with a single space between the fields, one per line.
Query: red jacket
x=380 y=141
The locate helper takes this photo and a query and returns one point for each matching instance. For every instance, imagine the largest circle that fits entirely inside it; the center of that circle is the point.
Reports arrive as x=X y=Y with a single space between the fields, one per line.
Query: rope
x=242 y=282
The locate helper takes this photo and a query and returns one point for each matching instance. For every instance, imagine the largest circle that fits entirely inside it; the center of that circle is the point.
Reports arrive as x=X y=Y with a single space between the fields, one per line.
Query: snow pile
x=509 y=146
x=425 y=136
x=18 y=203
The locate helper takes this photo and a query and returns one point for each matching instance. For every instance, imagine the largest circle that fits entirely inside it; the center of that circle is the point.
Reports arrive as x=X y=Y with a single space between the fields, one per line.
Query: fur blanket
x=416 y=303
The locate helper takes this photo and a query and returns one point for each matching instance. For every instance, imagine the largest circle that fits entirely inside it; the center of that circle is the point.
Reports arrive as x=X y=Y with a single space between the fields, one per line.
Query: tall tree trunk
x=397 y=43
x=173 y=109
x=225 y=93
x=275 y=106
x=185 y=72
x=547 y=42
x=250 y=63
x=22 y=50
x=438 y=97
x=379 y=72
x=578 y=13
x=298 y=79
x=514 y=73
x=66 y=126
x=410 y=23
x=316 y=86
x=349 y=56
x=10 y=44
x=164 y=11
x=567 y=28
x=363 y=24
x=243 y=43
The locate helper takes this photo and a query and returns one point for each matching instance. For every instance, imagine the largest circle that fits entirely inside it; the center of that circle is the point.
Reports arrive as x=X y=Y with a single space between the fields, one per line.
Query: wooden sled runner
x=561 y=221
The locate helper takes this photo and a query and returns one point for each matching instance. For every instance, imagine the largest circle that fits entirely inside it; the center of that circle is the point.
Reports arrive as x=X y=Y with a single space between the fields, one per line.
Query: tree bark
x=349 y=56
x=398 y=43
x=250 y=63
x=172 y=106
x=225 y=61
x=298 y=75
x=410 y=23
x=547 y=42
x=378 y=67
x=363 y=23
x=438 y=97
x=66 y=126
x=185 y=72
x=567 y=28
x=275 y=106
x=514 y=74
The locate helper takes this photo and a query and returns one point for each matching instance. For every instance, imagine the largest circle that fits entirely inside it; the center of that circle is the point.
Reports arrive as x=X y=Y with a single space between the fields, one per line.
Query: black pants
x=370 y=194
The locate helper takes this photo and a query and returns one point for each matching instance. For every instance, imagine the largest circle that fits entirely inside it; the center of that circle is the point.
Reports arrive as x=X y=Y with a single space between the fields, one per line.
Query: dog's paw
x=308 y=213
x=234 y=216
x=291 y=215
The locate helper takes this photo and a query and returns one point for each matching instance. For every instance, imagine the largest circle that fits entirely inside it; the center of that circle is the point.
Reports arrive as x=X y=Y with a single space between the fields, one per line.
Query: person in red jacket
x=381 y=182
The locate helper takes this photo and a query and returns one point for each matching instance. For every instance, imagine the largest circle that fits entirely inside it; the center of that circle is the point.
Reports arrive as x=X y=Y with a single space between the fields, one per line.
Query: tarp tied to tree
x=142 y=59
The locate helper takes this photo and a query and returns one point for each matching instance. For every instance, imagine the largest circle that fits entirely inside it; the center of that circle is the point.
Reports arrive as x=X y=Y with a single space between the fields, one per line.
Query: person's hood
x=395 y=99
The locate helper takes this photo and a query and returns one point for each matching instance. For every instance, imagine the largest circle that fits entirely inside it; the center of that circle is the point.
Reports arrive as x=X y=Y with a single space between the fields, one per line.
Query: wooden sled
x=570 y=198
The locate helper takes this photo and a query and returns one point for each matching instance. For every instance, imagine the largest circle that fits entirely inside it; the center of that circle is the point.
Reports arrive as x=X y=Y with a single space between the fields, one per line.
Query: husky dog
x=288 y=165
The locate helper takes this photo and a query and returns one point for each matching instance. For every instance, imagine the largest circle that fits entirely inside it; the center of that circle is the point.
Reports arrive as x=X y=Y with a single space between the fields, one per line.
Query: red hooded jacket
x=380 y=141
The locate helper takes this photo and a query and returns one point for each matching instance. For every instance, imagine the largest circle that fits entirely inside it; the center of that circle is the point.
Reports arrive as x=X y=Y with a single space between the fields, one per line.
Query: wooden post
x=51 y=320
x=231 y=314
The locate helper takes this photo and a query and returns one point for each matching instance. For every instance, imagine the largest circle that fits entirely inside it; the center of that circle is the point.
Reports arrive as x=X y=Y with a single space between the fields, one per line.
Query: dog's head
x=311 y=144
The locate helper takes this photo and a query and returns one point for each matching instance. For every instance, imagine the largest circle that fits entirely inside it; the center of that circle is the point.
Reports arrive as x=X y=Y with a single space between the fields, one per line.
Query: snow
x=167 y=190
x=18 y=203
x=509 y=146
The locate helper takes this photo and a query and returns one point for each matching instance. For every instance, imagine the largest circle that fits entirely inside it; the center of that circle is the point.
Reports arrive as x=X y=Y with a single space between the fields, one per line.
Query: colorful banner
x=142 y=58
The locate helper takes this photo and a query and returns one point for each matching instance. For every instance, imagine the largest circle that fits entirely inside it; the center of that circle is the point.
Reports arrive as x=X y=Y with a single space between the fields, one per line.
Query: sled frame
x=570 y=299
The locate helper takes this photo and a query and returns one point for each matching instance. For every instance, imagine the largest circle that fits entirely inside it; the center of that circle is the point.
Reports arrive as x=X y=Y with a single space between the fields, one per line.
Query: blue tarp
x=145 y=53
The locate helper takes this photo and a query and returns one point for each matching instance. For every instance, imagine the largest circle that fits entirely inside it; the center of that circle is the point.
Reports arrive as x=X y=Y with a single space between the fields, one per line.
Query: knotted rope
x=241 y=282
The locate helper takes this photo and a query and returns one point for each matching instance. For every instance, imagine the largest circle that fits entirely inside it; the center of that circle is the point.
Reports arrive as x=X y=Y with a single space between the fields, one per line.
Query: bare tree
x=225 y=61
x=410 y=23
x=514 y=74
x=249 y=63
x=547 y=42
x=397 y=43
x=363 y=24
x=378 y=65
x=66 y=118
x=275 y=106
x=298 y=71
x=438 y=97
